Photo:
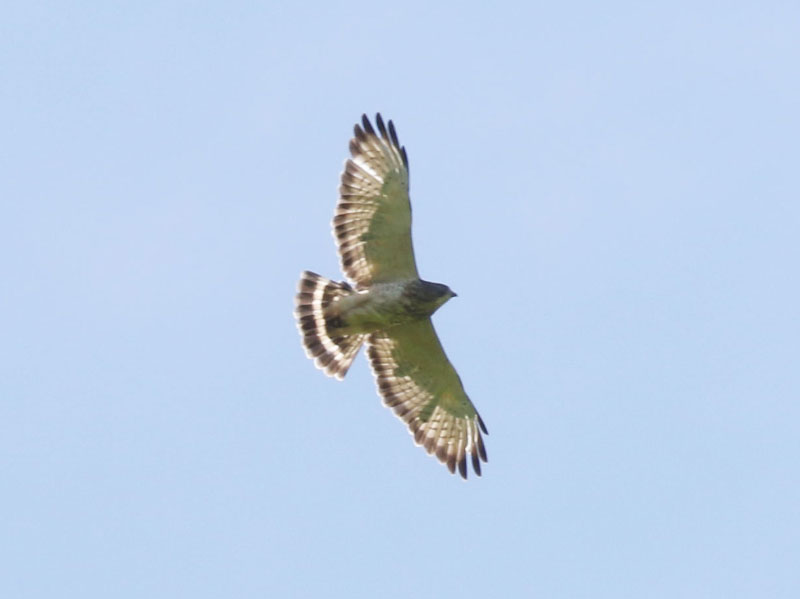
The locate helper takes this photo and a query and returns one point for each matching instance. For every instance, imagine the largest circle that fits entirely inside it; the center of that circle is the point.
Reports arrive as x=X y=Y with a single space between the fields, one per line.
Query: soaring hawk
x=387 y=305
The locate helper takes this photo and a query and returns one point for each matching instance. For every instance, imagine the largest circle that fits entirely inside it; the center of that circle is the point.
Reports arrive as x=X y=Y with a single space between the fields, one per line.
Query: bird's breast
x=382 y=306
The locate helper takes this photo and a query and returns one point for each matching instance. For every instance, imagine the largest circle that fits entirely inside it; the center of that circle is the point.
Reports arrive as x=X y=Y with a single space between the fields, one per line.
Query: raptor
x=386 y=305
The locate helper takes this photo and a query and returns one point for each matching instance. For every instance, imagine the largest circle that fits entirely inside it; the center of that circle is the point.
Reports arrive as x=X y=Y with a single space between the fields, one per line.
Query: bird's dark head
x=443 y=290
x=431 y=296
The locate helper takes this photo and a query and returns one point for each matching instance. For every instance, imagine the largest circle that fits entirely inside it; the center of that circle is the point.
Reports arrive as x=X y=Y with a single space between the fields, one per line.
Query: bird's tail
x=331 y=352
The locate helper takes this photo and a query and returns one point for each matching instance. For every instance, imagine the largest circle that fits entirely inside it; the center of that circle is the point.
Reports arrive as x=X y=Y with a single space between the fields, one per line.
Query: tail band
x=331 y=352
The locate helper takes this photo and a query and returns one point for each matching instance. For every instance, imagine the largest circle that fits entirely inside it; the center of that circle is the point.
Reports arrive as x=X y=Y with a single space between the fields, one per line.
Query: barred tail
x=331 y=352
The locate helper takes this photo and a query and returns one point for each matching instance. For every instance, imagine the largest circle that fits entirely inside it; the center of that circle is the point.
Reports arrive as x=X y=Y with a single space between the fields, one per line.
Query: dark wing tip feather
x=393 y=135
x=482 y=450
x=482 y=425
x=462 y=467
x=359 y=133
x=381 y=126
x=451 y=463
x=476 y=463
x=367 y=125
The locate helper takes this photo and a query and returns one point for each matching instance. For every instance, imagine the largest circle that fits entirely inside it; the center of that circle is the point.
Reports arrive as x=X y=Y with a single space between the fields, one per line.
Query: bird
x=385 y=305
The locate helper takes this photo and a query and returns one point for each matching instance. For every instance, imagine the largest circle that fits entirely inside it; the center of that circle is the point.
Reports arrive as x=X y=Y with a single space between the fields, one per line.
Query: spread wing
x=417 y=381
x=372 y=225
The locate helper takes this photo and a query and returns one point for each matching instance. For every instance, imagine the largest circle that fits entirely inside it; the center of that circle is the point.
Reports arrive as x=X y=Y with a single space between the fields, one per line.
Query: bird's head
x=435 y=294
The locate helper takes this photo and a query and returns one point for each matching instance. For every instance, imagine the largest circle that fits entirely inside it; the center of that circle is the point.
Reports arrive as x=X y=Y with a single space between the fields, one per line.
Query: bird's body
x=389 y=306
x=386 y=305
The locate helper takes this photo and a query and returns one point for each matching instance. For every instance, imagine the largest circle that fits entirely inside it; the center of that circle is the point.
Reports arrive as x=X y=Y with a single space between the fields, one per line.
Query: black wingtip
x=482 y=450
x=381 y=126
x=367 y=125
x=482 y=425
x=393 y=135
x=476 y=463
x=462 y=467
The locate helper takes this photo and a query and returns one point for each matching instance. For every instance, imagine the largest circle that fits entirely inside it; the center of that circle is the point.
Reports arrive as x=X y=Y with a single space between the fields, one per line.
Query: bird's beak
x=454 y=293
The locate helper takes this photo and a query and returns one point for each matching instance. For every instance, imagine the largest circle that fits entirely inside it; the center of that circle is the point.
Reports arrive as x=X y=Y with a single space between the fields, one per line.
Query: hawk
x=387 y=306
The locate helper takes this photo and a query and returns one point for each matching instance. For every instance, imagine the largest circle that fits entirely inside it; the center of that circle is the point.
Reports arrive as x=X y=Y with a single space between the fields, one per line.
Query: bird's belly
x=382 y=307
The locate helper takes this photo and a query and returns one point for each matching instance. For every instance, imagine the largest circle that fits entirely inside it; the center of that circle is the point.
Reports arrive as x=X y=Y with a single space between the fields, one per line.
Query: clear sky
x=612 y=190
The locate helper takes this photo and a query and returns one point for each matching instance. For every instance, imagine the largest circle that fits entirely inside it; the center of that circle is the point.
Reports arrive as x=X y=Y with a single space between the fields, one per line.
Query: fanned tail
x=331 y=352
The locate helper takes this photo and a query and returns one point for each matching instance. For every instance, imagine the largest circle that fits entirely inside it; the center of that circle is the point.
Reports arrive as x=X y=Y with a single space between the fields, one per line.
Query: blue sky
x=612 y=190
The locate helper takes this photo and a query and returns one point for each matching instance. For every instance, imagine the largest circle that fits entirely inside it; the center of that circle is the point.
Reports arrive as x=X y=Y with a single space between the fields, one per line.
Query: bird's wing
x=372 y=225
x=417 y=381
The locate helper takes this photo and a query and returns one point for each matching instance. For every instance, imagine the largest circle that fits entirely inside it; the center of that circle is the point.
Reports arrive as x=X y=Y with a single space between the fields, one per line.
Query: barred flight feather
x=377 y=161
x=447 y=434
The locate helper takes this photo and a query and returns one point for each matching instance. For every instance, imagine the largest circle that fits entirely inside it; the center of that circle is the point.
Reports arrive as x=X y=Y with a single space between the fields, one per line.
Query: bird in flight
x=387 y=306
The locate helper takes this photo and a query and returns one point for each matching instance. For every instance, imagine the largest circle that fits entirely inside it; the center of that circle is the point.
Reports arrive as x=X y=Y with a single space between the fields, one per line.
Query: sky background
x=612 y=190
